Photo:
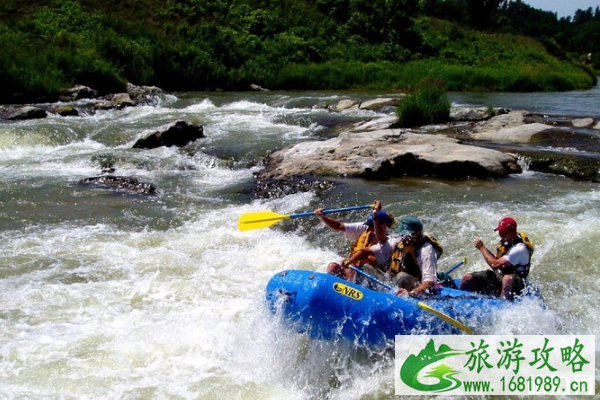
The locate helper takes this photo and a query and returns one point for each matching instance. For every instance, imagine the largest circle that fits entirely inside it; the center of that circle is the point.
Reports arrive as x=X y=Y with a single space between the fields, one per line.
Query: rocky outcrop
x=258 y=88
x=345 y=104
x=373 y=104
x=379 y=103
x=64 y=110
x=70 y=104
x=178 y=134
x=144 y=95
x=22 y=113
x=115 y=101
x=476 y=114
x=123 y=183
x=479 y=143
x=386 y=153
x=582 y=122
x=569 y=165
x=78 y=92
x=510 y=127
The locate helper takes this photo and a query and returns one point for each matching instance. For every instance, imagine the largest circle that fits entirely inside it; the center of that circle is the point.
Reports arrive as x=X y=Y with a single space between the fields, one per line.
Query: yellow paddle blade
x=259 y=219
x=446 y=318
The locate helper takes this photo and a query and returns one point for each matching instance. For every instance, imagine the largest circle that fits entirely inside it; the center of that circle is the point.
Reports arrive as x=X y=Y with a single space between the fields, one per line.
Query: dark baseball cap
x=382 y=216
x=409 y=225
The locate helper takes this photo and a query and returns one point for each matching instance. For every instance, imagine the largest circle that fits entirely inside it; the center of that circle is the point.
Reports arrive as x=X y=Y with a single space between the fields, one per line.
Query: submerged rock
x=65 y=110
x=20 y=113
x=178 y=134
x=125 y=183
x=276 y=188
x=572 y=166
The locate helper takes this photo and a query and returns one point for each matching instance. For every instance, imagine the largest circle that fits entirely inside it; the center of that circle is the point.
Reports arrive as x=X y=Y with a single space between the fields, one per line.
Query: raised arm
x=330 y=222
x=490 y=258
x=379 y=228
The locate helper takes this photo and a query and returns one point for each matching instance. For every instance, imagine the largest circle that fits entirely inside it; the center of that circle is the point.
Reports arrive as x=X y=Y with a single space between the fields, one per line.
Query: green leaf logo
x=413 y=365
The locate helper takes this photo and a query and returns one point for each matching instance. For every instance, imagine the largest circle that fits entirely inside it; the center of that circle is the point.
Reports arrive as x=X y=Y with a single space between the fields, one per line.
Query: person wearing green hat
x=371 y=250
x=413 y=267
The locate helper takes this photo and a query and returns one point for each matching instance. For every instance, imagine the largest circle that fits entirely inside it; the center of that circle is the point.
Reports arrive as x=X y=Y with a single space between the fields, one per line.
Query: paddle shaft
x=445 y=317
x=424 y=306
x=334 y=210
x=451 y=269
x=371 y=277
x=388 y=287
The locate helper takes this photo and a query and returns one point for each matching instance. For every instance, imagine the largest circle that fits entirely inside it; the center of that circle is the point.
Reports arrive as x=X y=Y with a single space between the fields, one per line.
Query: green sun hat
x=409 y=225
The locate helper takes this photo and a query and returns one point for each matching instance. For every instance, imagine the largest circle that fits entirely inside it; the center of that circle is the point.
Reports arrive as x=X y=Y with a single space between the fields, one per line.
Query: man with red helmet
x=510 y=265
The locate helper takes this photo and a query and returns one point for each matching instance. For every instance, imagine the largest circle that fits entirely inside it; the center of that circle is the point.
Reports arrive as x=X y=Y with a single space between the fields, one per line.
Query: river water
x=108 y=295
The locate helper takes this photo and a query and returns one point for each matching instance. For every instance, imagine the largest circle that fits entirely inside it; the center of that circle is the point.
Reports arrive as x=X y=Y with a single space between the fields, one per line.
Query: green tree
x=482 y=13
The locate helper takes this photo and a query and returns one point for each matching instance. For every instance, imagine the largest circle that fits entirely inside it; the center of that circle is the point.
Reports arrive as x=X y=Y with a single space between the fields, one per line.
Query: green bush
x=27 y=72
x=429 y=104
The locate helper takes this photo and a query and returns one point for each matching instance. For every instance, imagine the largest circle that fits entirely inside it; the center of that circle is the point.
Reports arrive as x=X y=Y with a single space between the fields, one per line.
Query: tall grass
x=427 y=105
x=506 y=76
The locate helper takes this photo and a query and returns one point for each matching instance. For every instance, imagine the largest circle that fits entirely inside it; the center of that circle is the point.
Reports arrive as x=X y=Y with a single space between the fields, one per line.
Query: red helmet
x=506 y=224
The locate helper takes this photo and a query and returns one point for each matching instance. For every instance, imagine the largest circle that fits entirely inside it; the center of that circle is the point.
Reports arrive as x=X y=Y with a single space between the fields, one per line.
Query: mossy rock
x=572 y=166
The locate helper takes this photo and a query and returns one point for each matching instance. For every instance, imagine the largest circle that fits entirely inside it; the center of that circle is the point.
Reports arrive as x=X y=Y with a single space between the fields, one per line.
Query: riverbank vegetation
x=428 y=105
x=49 y=45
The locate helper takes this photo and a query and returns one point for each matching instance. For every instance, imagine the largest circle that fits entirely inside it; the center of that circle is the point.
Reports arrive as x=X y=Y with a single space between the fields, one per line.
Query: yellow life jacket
x=365 y=240
x=502 y=249
x=404 y=257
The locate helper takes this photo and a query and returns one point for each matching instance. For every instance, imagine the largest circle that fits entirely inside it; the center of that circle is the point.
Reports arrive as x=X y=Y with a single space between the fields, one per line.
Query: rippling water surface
x=106 y=295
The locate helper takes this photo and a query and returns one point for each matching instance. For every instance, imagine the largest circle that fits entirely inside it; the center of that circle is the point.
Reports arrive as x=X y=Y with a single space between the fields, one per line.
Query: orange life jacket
x=365 y=240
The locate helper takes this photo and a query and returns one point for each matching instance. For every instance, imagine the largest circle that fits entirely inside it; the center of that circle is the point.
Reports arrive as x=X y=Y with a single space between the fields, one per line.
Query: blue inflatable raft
x=326 y=307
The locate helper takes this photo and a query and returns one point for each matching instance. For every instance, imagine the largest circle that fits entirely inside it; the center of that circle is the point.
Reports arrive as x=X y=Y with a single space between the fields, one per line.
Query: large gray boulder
x=582 y=122
x=510 y=127
x=388 y=152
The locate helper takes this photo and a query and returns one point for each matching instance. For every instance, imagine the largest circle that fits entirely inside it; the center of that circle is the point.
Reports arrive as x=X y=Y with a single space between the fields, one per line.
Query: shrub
x=429 y=104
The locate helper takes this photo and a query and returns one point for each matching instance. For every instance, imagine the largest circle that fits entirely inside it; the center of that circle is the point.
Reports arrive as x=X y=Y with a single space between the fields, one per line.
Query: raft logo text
x=347 y=291
x=495 y=365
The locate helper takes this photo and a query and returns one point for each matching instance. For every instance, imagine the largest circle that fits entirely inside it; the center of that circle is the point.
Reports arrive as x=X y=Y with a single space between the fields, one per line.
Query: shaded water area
x=106 y=294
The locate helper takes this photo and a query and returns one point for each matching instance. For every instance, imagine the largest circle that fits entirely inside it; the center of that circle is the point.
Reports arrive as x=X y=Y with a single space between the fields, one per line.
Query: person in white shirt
x=509 y=266
x=413 y=266
x=371 y=250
